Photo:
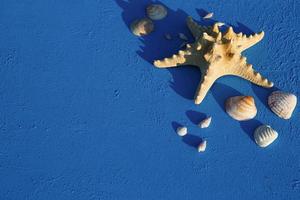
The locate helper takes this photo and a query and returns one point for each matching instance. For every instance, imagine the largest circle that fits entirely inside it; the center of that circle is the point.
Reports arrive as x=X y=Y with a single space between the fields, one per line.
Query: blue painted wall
x=85 y=115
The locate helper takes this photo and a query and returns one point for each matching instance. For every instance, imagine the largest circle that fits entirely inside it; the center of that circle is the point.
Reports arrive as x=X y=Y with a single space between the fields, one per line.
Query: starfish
x=217 y=54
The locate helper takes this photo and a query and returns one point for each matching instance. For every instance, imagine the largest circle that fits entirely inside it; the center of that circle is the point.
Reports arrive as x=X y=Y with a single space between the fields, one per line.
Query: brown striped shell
x=241 y=107
x=282 y=103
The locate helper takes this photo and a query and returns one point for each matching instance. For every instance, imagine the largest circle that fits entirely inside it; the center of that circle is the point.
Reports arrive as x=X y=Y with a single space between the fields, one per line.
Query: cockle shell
x=282 y=103
x=241 y=107
x=202 y=146
x=142 y=27
x=156 y=12
x=205 y=123
x=182 y=131
x=264 y=135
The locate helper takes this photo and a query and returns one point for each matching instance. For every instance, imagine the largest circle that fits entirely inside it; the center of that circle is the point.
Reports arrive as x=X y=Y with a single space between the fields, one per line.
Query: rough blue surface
x=85 y=115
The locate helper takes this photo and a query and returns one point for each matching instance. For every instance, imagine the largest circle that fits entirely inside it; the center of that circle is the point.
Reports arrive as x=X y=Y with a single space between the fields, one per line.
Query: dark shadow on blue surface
x=221 y=92
x=175 y=125
x=192 y=140
x=195 y=116
x=185 y=80
x=249 y=127
x=263 y=93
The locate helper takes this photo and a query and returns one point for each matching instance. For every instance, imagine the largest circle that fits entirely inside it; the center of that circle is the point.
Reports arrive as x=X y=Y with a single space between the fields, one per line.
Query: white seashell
x=241 y=107
x=142 y=27
x=282 y=103
x=156 y=12
x=182 y=36
x=182 y=131
x=202 y=146
x=168 y=36
x=205 y=123
x=220 y=24
x=209 y=15
x=264 y=135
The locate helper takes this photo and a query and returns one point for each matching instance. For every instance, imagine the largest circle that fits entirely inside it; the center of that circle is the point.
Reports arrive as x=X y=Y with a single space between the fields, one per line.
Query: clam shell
x=205 y=123
x=142 y=27
x=264 y=135
x=241 y=107
x=156 y=11
x=282 y=103
x=202 y=146
x=182 y=131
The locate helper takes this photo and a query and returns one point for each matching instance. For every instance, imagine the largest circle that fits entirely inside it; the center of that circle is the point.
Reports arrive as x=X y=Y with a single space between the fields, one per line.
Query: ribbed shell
x=142 y=27
x=156 y=12
x=282 y=103
x=264 y=135
x=241 y=107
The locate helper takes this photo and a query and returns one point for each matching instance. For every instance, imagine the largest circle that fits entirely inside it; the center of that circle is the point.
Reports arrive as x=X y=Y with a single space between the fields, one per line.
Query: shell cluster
x=282 y=103
x=144 y=26
x=241 y=107
x=264 y=135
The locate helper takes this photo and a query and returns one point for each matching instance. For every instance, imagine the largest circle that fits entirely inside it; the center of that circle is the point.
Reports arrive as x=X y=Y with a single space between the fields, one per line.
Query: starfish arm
x=245 y=70
x=195 y=29
x=244 y=42
x=183 y=57
x=207 y=81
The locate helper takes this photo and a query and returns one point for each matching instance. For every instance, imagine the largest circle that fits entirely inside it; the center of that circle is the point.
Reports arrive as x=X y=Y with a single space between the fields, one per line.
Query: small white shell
x=220 y=24
x=168 y=36
x=142 y=27
x=202 y=146
x=282 y=103
x=182 y=131
x=182 y=36
x=209 y=15
x=205 y=123
x=264 y=135
x=241 y=107
x=156 y=11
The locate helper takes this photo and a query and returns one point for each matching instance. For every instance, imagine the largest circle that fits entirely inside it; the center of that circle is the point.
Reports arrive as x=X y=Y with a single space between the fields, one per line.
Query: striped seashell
x=156 y=11
x=241 y=107
x=264 y=135
x=282 y=103
x=142 y=27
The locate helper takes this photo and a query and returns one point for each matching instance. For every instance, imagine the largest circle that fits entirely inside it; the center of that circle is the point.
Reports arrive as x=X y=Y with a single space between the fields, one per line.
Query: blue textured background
x=84 y=114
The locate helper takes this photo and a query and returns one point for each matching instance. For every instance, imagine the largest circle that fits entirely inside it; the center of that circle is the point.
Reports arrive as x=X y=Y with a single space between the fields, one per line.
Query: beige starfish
x=216 y=55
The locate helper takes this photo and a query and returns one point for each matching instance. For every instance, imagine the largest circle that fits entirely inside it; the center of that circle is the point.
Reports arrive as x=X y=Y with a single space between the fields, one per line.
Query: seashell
x=156 y=11
x=220 y=24
x=182 y=131
x=168 y=36
x=209 y=15
x=142 y=27
x=282 y=103
x=205 y=123
x=264 y=135
x=202 y=146
x=241 y=107
x=182 y=36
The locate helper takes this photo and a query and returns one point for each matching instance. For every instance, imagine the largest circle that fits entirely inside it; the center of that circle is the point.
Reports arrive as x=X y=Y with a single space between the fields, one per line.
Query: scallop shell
x=282 y=103
x=202 y=146
x=241 y=107
x=205 y=123
x=264 y=135
x=142 y=27
x=156 y=11
x=182 y=131
x=209 y=15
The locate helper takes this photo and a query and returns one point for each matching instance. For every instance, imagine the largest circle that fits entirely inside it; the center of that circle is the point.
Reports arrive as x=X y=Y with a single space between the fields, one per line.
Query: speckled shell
x=156 y=12
x=282 y=103
x=264 y=135
x=142 y=27
x=182 y=131
x=241 y=107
